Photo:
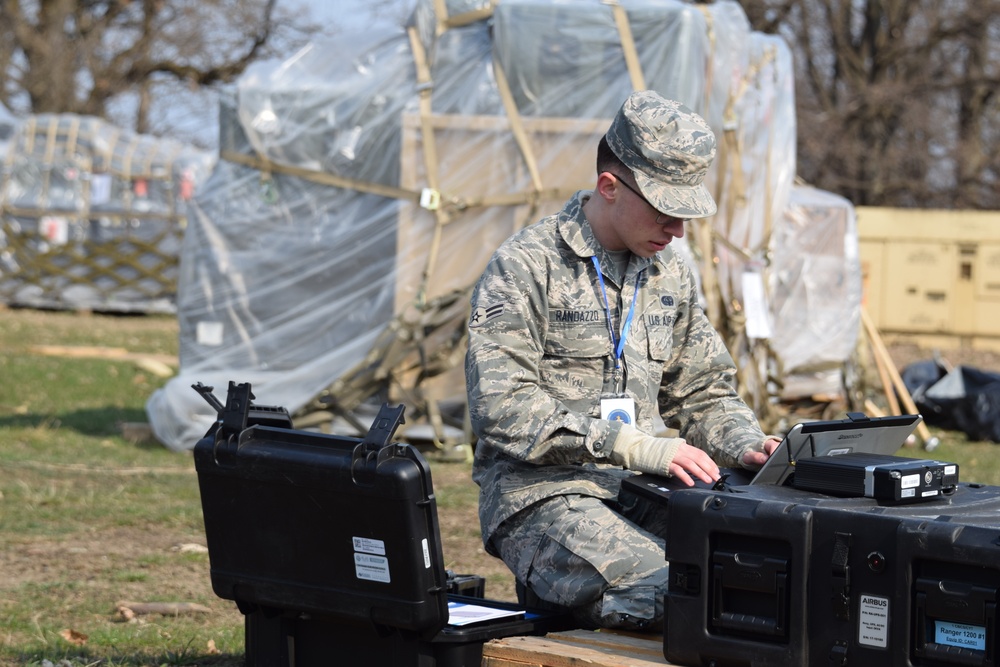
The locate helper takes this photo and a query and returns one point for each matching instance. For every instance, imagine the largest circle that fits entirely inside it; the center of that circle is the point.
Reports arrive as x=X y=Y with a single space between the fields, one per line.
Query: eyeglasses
x=661 y=218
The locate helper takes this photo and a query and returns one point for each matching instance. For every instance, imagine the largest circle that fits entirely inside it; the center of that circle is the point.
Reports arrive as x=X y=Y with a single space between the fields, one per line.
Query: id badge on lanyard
x=618 y=409
x=618 y=406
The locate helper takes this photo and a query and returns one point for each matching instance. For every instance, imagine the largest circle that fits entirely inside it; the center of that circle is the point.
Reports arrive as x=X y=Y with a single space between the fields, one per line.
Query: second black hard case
x=776 y=576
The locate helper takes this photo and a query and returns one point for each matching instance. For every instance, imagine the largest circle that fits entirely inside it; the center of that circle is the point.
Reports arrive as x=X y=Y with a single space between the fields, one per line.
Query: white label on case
x=371 y=568
x=427 y=553
x=960 y=635
x=873 y=621
x=369 y=546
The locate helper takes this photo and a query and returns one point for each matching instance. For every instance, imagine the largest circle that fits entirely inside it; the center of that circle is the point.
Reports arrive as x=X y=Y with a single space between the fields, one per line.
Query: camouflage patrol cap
x=669 y=149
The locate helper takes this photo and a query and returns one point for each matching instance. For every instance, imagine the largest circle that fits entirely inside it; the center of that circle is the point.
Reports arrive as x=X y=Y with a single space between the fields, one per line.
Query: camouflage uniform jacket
x=540 y=358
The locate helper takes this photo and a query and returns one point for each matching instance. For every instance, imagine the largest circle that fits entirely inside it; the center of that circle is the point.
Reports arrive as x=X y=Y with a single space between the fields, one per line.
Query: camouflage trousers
x=590 y=557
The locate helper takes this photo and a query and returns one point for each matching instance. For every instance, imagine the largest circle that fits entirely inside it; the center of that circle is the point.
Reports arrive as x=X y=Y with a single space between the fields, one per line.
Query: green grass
x=89 y=519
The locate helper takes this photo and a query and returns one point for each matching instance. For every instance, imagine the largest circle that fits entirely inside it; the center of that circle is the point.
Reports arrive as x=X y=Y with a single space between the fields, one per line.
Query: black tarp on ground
x=963 y=399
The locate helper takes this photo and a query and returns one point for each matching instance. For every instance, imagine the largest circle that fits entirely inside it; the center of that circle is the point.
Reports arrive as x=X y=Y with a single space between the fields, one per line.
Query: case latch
x=374 y=447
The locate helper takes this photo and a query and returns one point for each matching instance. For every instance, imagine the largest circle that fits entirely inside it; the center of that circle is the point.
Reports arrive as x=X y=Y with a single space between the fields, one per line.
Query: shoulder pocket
x=659 y=325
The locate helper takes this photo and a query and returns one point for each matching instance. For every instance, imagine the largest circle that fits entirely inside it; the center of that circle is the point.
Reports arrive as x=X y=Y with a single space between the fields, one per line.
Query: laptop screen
x=857 y=433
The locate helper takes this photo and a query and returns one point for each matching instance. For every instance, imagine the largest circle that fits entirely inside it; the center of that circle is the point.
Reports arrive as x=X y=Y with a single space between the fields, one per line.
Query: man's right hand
x=669 y=457
x=690 y=462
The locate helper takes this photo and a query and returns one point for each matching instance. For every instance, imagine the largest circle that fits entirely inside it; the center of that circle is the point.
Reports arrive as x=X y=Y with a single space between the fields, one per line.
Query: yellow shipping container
x=932 y=274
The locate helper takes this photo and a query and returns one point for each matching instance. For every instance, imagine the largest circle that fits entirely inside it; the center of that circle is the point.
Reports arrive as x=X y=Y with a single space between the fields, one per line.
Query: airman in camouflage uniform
x=585 y=311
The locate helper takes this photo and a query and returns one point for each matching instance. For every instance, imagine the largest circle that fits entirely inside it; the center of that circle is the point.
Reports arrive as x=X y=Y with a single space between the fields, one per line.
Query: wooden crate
x=603 y=648
x=479 y=162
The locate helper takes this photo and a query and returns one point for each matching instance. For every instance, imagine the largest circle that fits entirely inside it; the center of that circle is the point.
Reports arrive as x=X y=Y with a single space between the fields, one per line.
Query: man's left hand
x=757 y=457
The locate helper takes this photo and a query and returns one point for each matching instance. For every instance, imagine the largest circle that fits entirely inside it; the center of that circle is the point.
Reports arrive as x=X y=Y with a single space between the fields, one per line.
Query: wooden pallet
x=574 y=648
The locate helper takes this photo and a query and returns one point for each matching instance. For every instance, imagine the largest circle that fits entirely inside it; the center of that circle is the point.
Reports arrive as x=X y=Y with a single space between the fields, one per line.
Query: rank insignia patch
x=481 y=315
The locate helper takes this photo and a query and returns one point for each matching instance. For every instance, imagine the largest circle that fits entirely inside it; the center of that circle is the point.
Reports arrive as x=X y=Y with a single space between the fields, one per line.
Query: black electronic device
x=857 y=433
x=889 y=479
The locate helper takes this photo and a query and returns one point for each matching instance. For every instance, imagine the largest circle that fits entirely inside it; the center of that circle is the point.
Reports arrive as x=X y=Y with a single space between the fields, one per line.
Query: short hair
x=607 y=160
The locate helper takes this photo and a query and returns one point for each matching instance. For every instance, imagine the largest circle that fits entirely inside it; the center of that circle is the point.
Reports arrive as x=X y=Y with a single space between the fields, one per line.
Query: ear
x=607 y=186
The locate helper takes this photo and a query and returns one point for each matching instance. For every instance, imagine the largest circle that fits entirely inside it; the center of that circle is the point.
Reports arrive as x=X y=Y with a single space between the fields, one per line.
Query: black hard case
x=282 y=508
x=291 y=519
x=765 y=576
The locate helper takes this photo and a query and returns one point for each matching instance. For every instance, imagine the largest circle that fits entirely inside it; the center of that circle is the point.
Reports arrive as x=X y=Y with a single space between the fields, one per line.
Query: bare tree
x=83 y=56
x=896 y=99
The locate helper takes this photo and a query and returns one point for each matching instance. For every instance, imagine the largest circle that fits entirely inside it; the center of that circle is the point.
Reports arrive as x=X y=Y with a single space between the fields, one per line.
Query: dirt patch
x=77 y=584
x=42 y=559
x=461 y=542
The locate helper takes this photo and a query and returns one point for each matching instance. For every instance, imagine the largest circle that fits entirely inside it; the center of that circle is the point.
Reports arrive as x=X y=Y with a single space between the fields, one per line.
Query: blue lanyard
x=617 y=344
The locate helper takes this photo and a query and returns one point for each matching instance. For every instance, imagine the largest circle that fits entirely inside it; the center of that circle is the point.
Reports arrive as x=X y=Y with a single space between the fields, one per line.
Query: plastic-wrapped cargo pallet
x=816 y=286
x=92 y=216
x=364 y=184
x=8 y=124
